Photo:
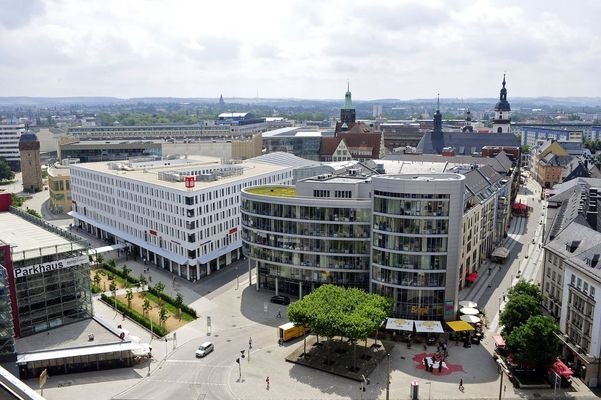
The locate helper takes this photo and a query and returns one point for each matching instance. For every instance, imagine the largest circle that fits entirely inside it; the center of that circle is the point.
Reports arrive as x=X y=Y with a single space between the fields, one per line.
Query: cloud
x=388 y=48
x=18 y=13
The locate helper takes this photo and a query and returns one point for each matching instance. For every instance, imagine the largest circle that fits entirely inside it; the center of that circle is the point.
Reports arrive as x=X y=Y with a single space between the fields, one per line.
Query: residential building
x=416 y=243
x=549 y=160
x=300 y=142
x=570 y=283
x=179 y=214
x=318 y=231
x=71 y=147
x=534 y=134
x=352 y=146
x=59 y=187
x=48 y=272
x=9 y=144
x=31 y=168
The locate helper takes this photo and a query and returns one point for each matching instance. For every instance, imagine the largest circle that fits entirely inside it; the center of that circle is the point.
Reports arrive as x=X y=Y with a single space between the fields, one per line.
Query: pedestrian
x=440 y=366
x=489 y=270
x=149 y=278
x=267 y=382
x=279 y=314
x=461 y=384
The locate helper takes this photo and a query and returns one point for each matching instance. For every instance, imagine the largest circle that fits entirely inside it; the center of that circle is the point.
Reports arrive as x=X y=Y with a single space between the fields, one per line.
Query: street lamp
x=429 y=383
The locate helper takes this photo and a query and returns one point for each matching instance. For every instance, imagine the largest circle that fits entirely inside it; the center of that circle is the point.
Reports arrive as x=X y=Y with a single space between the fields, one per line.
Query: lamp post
x=388 y=378
x=429 y=383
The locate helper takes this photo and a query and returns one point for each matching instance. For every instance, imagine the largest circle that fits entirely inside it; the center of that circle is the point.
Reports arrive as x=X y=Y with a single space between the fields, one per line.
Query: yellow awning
x=459 y=326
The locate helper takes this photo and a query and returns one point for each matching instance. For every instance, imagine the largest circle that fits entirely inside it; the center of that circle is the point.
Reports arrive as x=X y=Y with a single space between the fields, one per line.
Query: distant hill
x=99 y=100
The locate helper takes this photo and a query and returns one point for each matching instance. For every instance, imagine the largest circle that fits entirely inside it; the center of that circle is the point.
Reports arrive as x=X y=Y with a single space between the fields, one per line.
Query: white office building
x=182 y=215
x=9 y=144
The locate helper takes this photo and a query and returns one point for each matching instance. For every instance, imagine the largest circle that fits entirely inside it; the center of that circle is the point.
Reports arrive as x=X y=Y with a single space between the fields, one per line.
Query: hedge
x=118 y=272
x=171 y=300
x=133 y=314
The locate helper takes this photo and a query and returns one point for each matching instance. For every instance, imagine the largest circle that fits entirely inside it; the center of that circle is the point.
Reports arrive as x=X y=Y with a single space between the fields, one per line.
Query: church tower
x=437 y=122
x=347 y=112
x=29 y=147
x=502 y=121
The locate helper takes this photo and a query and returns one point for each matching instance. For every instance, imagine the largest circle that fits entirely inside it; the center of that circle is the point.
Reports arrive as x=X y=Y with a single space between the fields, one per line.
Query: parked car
x=204 y=349
x=279 y=299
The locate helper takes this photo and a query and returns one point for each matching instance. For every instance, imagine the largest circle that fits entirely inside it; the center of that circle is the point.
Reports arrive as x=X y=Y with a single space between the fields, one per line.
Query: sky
x=403 y=49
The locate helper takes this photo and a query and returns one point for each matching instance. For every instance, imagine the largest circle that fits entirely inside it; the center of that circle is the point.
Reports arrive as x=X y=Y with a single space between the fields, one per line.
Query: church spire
x=437 y=117
x=347 y=112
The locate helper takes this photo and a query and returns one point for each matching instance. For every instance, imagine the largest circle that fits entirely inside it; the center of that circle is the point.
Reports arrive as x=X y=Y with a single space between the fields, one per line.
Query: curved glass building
x=317 y=232
x=417 y=223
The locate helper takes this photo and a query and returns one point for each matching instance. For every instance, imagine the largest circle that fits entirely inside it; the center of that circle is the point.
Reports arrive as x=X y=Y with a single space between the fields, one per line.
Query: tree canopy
x=5 y=172
x=535 y=343
x=517 y=311
x=527 y=288
x=337 y=311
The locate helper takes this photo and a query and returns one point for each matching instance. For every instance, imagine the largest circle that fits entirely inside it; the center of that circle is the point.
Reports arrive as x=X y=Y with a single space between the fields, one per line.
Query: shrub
x=119 y=273
x=136 y=316
x=173 y=302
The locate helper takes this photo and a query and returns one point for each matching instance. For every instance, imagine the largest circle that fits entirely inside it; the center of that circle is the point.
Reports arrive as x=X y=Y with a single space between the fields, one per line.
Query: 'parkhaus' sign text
x=49 y=266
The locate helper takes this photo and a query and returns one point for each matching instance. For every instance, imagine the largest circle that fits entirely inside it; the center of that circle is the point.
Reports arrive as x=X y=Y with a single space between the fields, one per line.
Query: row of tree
x=530 y=336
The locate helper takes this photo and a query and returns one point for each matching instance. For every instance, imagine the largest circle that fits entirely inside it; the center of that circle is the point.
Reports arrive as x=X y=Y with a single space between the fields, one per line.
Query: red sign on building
x=190 y=181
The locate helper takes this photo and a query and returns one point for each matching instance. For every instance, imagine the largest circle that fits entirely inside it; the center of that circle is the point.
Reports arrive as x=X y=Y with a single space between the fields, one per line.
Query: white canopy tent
x=429 y=326
x=469 y=311
x=472 y=319
x=468 y=303
x=399 y=324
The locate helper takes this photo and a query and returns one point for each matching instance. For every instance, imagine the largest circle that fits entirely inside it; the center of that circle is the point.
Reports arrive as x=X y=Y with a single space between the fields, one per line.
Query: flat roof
x=76 y=351
x=150 y=174
x=23 y=235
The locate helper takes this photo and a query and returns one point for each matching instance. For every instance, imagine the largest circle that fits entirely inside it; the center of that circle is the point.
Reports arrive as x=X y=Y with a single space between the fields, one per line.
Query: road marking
x=197 y=362
x=188 y=382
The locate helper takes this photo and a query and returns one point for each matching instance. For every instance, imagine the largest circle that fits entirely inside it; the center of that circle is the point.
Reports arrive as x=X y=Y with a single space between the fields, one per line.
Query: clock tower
x=502 y=121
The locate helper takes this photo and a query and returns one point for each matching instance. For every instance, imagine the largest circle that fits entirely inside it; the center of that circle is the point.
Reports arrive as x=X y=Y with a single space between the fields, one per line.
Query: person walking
x=461 y=384
x=267 y=382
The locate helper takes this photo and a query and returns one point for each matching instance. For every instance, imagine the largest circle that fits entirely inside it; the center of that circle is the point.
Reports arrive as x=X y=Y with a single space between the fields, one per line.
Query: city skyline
x=270 y=49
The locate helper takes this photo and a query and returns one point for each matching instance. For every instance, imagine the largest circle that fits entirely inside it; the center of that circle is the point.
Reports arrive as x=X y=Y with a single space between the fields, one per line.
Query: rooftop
x=276 y=191
x=26 y=237
x=151 y=172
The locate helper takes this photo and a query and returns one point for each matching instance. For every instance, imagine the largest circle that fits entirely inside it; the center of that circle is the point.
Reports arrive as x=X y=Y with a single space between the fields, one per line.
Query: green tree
x=97 y=279
x=179 y=301
x=159 y=287
x=99 y=260
x=337 y=311
x=163 y=315
x=5 y=172
x=129 y=295
x=16 y=201
x=146 y=306
x=125 y=270
x=113 y=289
x=517 y=311
x=33 y=212
x=535 y=343
x=527 y=288
x=112 y=264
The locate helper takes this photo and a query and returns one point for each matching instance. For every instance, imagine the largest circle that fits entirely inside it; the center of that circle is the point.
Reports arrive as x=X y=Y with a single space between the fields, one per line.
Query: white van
x=205 y=349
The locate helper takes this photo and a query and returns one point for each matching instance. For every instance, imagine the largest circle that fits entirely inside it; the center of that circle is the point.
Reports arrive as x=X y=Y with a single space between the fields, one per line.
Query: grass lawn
x=172 y=323
x=105 y=282
x=277 y=191
x=170 y=307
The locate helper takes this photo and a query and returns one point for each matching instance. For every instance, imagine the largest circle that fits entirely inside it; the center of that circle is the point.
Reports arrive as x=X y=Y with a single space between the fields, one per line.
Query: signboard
x=43 y=377
x=190 y=181
x=49 y=266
